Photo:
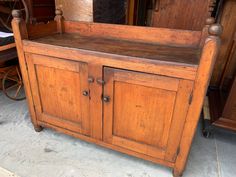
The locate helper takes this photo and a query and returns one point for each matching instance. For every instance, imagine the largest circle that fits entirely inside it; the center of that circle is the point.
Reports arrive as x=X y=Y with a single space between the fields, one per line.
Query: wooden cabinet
x=226 y=62
x=139 y=94
x=229 y=111
x=182 y=14
x=139 y=105
x=223 y=107
x=222 y=90
x=61 y=93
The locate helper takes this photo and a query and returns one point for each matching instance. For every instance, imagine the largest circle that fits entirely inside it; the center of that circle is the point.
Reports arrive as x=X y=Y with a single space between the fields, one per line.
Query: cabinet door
x=145 y=113
x=60 y=92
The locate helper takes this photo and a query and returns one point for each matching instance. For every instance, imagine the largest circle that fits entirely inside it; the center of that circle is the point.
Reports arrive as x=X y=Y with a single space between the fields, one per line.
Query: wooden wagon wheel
x=6 y=10
x=16 y=90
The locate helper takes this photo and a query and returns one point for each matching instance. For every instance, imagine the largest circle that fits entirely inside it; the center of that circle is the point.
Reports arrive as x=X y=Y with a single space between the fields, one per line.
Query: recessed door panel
x=60 y=91
x=142 y=109
x=141 y=112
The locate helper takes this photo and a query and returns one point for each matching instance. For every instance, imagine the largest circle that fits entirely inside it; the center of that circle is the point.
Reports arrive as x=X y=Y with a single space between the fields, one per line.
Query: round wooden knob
x=215 y=30
x=59 y=12
x=16 y=13
x=210 y=21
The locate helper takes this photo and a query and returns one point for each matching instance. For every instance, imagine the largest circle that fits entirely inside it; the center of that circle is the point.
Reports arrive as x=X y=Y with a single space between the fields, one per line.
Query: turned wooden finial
x=210 y=21
x=205 y=31
x=215 y=30
x=60 y=20
x=16 y=14
x=58 y=12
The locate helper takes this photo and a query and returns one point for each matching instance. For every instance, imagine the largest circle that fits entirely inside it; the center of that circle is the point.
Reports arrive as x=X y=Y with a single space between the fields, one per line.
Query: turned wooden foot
x=38 y=128
x=176 y=173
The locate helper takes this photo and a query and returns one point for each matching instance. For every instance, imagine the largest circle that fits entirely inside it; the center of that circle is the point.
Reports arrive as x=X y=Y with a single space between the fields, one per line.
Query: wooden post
x=60 y=20
x=208 y=57
x=20 y=33
x=209 y=21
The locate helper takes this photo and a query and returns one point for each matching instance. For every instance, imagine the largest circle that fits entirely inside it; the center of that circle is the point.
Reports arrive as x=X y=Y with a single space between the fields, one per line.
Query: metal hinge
x=190 y=98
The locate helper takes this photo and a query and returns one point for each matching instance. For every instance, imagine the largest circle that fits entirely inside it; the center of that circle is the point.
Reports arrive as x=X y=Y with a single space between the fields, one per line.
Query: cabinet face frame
x=51 y=81
x=177 y=91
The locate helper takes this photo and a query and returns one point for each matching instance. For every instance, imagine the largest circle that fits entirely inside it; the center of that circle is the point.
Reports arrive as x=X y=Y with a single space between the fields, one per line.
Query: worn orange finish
x=116 y=86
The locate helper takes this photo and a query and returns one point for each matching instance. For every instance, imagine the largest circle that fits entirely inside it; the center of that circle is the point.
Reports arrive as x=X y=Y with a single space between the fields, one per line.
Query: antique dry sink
x=135 y=90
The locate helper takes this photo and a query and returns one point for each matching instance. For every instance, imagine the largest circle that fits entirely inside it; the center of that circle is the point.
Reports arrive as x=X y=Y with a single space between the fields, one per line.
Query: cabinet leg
x=206 y=127
x=176 y=173
x=38 y=128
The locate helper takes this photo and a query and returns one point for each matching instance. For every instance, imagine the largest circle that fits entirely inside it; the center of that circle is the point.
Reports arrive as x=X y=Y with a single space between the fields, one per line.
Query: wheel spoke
x=14 y=4
x=17 y=91
x=13 y=86
x=12 y=79
x=10 y=14
x=4 y=24
x=26 y=11
x=8 y=18
x=10 y=5
x=18 y=73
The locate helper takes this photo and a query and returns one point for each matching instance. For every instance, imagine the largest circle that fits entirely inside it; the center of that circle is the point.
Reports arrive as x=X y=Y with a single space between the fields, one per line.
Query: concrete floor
x=6 y=173
x=51 y=154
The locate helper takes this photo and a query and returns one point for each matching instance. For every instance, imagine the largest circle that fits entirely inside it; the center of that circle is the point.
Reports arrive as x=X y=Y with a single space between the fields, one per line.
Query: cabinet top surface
x=183 y=55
